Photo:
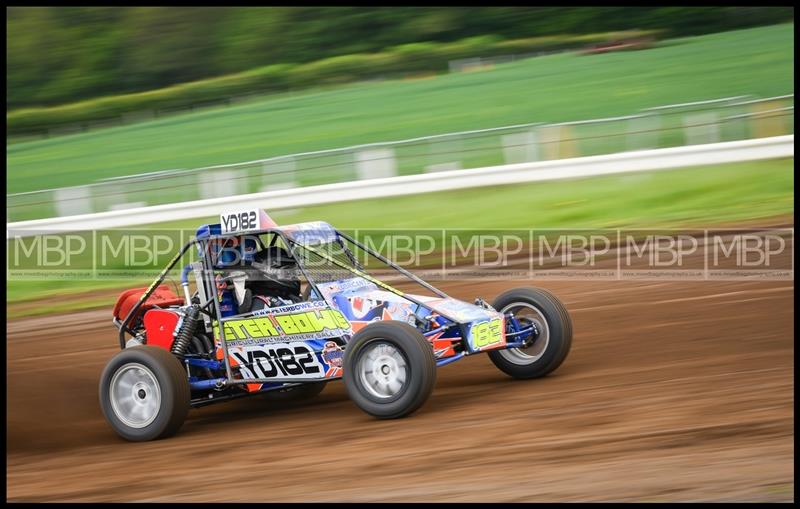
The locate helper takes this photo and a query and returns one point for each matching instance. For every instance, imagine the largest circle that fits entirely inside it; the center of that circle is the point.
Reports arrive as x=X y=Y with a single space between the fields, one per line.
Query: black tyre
x=552 y=345
x=389 y=369
x=295 y=393
x=144 y=393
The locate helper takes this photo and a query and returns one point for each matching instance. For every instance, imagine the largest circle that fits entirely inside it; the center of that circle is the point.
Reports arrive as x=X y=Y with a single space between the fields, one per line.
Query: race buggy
x=281 y=311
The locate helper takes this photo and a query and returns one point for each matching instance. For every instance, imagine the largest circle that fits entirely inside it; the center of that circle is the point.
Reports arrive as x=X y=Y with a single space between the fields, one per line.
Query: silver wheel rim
x=383 y=370
x=135 y=395
x=531 y=354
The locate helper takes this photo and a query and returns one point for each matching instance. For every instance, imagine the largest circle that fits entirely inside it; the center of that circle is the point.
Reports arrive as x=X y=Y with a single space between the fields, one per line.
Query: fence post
x=642 y=132
x=376 y=163
x=701 y=128
x=71 y=201
x=219 y=183
x=520 y=147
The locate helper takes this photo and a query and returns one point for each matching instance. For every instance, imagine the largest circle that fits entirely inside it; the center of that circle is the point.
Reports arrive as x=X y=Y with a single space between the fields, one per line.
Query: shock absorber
x=184 y=336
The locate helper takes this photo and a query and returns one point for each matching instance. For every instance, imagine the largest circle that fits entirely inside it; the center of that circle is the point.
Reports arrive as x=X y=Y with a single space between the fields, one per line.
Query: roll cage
x=293 y=245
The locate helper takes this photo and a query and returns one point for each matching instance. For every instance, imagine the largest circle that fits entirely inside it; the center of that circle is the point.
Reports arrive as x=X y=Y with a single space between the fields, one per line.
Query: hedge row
x=395 y=61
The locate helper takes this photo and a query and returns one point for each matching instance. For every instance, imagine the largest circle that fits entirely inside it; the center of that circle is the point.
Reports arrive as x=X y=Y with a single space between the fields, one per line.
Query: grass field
x=699 y=197
x=556 y=88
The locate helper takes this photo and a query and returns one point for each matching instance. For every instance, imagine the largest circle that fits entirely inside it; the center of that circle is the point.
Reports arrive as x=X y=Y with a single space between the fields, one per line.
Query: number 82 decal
x=486 y=334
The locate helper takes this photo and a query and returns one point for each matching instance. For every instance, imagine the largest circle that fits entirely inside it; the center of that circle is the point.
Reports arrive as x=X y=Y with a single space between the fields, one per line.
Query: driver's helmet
x=233 y=251
x=274 y=272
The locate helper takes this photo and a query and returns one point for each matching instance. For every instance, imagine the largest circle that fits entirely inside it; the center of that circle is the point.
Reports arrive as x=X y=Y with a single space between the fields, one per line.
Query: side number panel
x=487 y=335
x=281 y=360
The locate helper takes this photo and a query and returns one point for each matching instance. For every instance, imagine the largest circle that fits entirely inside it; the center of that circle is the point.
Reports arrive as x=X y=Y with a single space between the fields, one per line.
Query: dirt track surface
x=672 y=391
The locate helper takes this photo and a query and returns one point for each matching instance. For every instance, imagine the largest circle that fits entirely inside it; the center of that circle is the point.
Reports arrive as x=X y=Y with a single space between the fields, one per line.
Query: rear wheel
x=550 y=348
x=144 y=393
x=389 y=369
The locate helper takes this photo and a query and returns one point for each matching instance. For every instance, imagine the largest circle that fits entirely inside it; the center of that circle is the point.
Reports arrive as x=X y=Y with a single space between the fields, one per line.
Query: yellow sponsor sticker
x=305 y=324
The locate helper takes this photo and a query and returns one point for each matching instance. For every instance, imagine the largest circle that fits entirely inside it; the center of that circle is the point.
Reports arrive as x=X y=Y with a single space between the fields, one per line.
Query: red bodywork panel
x=159 y=325
x=163 y=297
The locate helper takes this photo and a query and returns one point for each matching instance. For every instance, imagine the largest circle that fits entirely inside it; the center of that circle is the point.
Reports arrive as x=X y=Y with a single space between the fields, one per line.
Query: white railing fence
x=642 y=160
x=701 y=122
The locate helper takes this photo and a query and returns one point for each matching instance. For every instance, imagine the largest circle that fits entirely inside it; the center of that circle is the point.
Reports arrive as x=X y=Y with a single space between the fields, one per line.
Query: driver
x=249 y=279
x=229 y=256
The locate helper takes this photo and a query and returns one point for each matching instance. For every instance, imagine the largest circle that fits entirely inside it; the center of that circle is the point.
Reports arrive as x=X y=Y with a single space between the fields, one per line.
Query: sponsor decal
x=366 y=309
x=333 y=355
x=306 y=320
x=282 y=360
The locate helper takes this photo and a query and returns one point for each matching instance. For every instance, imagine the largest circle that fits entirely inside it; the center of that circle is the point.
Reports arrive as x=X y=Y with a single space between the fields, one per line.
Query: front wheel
x=551 y=346
x=389 y=369
x=144 y=393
